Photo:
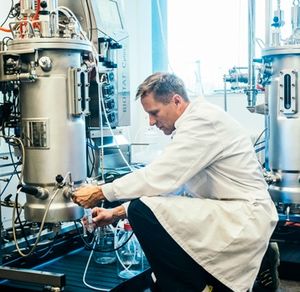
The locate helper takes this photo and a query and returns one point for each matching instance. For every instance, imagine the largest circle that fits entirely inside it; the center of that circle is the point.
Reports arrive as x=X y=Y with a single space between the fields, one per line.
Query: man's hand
x=88 y=196
x=103 y=217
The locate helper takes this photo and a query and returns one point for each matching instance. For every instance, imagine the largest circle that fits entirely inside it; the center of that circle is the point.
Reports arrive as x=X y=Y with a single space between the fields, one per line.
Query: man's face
x=163 y=116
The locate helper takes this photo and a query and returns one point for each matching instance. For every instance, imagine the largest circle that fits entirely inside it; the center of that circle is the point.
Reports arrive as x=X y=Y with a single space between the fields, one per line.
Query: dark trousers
x=174 y=269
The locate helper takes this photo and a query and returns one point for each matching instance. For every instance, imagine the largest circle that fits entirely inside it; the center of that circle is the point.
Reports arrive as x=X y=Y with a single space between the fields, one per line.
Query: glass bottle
x=104 y=248
x=130 y=256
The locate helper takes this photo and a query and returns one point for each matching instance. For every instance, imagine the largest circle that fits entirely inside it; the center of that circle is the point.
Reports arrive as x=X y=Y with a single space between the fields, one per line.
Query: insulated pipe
x=251 y=92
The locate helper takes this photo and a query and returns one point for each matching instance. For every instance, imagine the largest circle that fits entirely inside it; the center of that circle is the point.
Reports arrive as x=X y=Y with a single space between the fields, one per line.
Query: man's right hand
x=103 y=217
x=88 y=196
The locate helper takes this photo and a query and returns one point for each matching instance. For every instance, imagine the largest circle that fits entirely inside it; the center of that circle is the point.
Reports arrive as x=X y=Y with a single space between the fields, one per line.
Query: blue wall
x=159 y=41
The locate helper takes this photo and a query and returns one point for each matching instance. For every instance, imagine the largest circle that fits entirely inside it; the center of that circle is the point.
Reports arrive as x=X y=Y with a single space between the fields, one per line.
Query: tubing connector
x=37 y=192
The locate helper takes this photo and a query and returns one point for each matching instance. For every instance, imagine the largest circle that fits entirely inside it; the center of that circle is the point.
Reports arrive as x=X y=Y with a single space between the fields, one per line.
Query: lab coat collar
x=186 y=112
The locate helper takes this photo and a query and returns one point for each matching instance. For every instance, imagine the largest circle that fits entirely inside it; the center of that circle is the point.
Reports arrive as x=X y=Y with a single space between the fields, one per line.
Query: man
x=201 y=210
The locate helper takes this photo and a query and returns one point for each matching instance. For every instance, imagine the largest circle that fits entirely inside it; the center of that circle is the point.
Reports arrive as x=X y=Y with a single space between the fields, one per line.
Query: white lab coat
x=226 y=216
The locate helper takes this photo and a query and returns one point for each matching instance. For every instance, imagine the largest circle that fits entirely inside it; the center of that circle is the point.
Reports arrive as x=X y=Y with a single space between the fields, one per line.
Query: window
x=206 y=38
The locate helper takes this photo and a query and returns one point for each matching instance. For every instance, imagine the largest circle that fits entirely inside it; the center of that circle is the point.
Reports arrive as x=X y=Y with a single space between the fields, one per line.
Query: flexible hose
x=5 y=29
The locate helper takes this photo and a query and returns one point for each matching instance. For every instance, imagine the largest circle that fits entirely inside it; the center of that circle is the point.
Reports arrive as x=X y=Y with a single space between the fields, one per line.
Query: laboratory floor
x=104 y=277
x=289 y=269
x=289 y=286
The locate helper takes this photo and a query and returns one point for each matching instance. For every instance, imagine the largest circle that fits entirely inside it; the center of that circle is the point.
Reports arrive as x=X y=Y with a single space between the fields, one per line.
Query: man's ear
x=177 y=99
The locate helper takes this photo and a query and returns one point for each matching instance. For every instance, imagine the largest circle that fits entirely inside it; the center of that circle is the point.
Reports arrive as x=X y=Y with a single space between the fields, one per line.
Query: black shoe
x=268 y=278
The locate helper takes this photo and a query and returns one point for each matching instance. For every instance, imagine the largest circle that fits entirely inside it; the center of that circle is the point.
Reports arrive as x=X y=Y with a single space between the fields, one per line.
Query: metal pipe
x=225 y=94
x=268 y=19
x=251 y=92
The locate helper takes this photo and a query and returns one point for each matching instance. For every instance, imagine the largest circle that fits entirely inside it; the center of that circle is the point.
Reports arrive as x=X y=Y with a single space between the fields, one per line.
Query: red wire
x=38 y=7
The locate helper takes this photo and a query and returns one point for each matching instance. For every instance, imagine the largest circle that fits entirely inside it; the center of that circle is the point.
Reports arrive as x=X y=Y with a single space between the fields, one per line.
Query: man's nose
x=152 y=121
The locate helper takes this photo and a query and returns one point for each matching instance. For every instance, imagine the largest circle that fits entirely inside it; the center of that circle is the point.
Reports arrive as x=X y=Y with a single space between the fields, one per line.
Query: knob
x=59 y=178
x=44 y=4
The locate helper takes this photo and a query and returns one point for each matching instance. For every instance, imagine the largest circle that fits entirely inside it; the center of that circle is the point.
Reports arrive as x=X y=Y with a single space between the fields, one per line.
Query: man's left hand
x=88 y=196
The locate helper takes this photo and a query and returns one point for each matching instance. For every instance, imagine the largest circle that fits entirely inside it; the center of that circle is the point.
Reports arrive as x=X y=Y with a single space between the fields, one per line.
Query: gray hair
x=163 y=86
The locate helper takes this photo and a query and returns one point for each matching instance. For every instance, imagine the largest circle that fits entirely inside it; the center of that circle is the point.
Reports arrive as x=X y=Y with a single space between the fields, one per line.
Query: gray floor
x=289 y=286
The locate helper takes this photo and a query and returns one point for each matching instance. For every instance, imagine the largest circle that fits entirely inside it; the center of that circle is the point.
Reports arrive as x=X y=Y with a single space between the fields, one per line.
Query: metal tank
x=54 y=138
x=281 y=69
x=284 y=123
x=50 y=66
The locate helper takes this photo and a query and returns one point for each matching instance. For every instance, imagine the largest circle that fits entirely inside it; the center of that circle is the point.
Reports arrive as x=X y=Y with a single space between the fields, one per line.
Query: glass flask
x=104 y=248
x=130 y=256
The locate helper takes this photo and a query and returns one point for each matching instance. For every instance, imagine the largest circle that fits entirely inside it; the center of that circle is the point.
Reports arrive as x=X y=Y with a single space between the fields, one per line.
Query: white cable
x=101 y=126
x=118 y=242
x=87 y=265
x=85 y=272
x=41 y=227
x=109 y=126
x=69 y=13
x=42 y=223
x=112 y=133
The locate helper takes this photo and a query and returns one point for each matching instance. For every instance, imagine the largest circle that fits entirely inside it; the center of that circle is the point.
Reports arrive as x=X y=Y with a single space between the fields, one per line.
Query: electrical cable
x=15 y=12
x=49 y=248
x=89 y=245
x=261 y=142
x=86 y=243
x=15 y=167
x=7 y=183
x=41 y=227
x=259 y=149
x=11 y=8
x=260 y=135
x=21 y=224
x=7 y=138
x=91 y=160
